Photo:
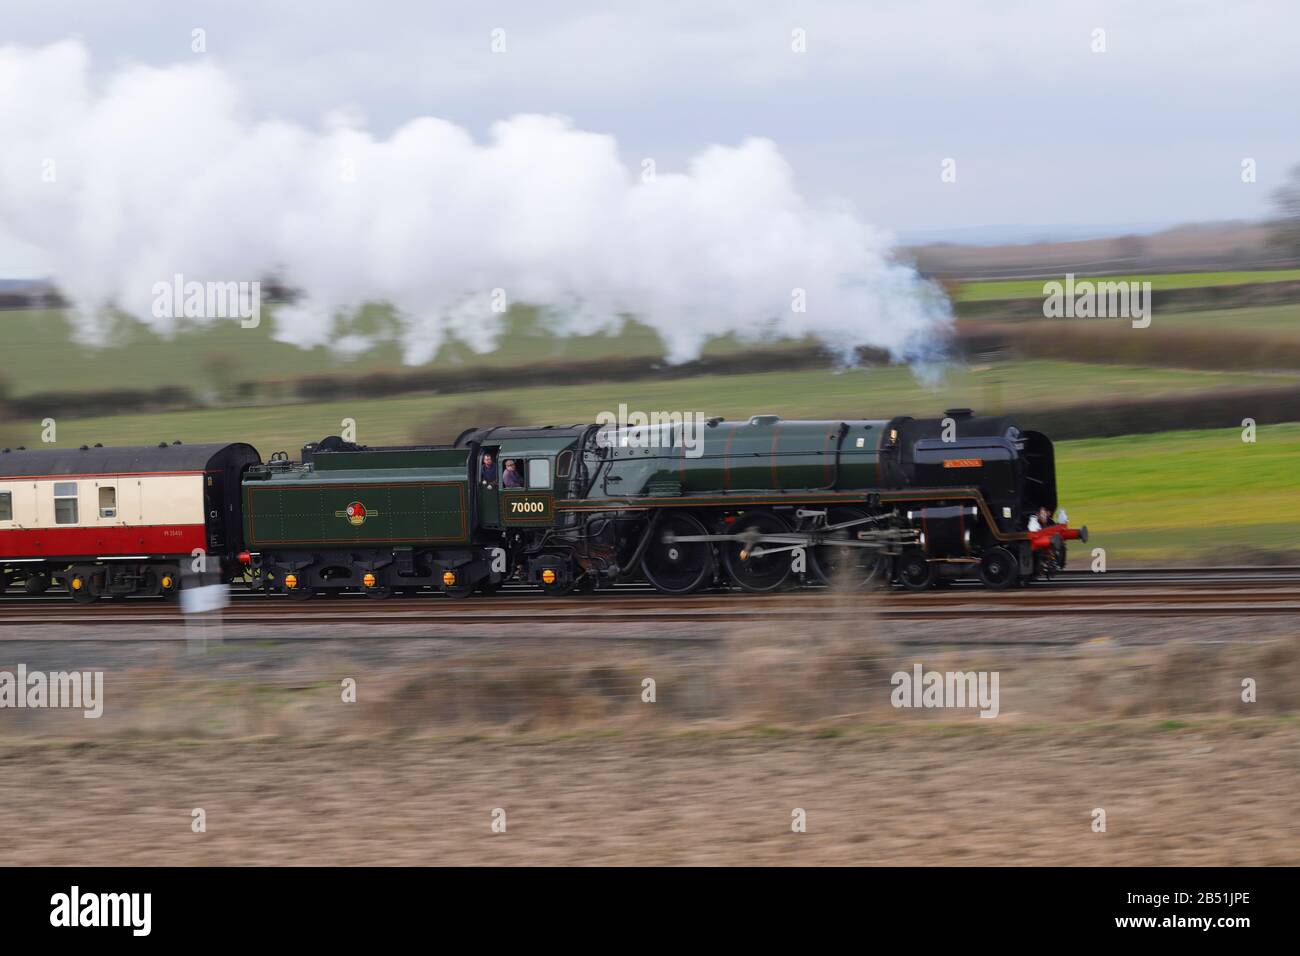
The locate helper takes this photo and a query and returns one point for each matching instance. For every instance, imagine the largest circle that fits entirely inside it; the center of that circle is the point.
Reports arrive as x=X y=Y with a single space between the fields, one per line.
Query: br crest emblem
x=356 y=513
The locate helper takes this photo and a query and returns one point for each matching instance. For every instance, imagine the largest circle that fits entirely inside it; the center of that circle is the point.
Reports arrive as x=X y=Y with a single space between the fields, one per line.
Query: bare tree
x=1287 y=199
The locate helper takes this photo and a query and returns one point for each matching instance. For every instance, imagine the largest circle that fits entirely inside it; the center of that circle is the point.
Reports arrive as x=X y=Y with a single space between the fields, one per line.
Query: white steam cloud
x=158 y=171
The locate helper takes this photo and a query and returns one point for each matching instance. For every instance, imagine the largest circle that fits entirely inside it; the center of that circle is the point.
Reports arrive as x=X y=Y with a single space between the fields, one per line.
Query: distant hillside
x=1196 y=247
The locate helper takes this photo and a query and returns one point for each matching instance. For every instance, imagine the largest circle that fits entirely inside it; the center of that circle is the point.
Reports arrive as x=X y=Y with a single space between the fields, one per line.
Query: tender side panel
x=341 y=514
x=95 y=516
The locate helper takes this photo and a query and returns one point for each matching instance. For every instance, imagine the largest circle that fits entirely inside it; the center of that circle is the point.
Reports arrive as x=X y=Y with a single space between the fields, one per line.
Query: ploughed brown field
x=1142 y=719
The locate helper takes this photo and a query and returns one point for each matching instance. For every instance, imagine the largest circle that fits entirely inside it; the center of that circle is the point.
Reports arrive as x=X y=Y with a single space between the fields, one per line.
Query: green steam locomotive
x=682 y=503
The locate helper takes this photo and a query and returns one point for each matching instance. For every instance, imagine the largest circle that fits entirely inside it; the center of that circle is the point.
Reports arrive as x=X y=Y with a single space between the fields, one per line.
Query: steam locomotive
x=760 y=504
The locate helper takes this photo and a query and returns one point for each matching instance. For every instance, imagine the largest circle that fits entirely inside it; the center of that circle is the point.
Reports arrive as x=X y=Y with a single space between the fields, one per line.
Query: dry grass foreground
x=744 y=730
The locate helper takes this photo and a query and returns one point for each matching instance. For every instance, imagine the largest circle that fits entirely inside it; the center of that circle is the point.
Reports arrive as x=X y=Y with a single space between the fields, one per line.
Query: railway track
x=1160 y=593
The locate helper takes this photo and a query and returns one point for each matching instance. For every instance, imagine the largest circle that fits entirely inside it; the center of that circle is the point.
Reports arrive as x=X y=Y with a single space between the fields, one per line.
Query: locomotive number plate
x=527 y=508
x=963 y=463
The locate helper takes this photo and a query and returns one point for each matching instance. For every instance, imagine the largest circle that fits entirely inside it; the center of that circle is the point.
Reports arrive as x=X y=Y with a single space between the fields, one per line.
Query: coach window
x=6 y=506
x=539 y=473
x=65 y=502
x=108 y=502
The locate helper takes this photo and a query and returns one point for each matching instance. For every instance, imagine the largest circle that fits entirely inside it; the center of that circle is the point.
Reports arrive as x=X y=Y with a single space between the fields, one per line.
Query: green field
x=1270 y=319
x=1176 y=494
x=862 y=393
x=210 y=359
x=1033 y=288
x=42 y=354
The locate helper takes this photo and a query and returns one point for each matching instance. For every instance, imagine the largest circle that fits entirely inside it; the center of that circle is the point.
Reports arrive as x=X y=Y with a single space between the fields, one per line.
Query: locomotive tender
x=760 y=504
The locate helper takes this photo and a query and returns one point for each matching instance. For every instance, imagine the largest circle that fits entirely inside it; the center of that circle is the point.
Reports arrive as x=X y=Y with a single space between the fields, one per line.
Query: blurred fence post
x=203 y=596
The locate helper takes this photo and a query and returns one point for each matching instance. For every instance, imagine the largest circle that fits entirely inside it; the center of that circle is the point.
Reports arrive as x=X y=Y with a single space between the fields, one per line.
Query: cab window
x=564 y=464
x=6 y=506
x=65 y=502
x=539 y=473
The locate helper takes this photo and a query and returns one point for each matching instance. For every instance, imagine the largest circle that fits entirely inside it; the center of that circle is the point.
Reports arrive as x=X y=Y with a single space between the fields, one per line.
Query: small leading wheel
x=998 y=568
x=915 y=572
x=673 y=566
x=746 y=563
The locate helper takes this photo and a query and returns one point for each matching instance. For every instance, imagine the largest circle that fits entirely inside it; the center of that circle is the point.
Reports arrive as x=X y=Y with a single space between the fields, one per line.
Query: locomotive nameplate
x=527 y=508
x=963 y=463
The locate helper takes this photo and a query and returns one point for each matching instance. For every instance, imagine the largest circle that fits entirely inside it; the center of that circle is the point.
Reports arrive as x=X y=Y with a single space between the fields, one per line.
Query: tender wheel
x=81 y=585
x=998 y=568
x=915 y=572
x=302 y=592
x=677 y=567
x=762 y=572
x=851 y=567
x=379 y=593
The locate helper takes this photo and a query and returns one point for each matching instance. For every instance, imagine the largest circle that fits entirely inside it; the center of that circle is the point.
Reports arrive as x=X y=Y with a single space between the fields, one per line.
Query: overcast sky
x=1044 y=131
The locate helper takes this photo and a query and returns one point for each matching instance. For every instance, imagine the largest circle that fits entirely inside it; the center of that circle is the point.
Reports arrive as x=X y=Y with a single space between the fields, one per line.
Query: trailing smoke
x=124 y=181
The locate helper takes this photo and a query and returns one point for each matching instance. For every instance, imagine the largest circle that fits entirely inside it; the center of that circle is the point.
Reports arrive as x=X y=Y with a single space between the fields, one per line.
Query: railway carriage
x=119 y=521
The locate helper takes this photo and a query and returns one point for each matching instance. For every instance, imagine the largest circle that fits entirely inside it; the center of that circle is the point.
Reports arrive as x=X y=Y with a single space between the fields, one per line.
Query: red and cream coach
x=118 y=521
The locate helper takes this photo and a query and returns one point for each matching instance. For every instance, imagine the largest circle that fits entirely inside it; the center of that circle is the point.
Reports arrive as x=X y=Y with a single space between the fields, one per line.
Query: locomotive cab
x=1039 y=489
